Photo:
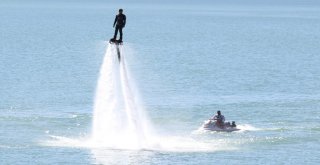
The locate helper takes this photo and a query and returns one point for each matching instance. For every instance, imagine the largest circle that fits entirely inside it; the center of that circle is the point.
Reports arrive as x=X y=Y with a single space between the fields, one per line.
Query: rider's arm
x=124 y=20
x=115 y=20
x=215 y=117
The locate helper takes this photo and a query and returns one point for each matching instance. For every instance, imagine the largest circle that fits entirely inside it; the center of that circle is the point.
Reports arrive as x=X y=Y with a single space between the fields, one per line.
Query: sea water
x=257 y=63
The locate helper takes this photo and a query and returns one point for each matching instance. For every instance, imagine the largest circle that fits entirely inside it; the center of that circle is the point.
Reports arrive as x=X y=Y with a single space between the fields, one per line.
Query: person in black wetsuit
x=120 y=22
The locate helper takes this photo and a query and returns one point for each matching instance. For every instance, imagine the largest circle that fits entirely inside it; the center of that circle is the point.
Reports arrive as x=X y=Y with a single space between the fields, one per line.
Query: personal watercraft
x=212 y=125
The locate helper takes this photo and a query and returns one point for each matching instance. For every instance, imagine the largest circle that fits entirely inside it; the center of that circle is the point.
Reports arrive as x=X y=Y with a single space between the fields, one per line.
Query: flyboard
x=117 y=43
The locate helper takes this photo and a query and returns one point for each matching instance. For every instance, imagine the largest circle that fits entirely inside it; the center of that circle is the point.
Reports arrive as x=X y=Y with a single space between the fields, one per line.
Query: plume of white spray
x=119 y=120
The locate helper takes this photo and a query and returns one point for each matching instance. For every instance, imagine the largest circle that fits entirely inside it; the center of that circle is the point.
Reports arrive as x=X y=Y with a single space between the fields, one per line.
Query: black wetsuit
x=121 y=22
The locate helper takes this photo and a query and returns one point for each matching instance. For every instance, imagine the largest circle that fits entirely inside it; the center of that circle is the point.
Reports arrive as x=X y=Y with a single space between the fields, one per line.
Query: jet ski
x=212 y=125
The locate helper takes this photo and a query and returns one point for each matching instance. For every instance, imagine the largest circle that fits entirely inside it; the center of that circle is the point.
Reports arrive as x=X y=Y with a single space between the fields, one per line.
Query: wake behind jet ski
x=218 y=124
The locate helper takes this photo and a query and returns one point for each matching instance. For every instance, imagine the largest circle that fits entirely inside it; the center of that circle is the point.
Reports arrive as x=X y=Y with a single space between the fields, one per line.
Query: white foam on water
x=161 y=143
x=247 y=127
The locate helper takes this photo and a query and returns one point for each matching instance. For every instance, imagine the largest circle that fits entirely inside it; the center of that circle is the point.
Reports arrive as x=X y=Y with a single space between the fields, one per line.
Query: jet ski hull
x=212 y=126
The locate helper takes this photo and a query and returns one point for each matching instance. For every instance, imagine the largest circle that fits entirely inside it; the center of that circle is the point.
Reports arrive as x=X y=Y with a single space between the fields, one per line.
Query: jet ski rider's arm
x=222 y=118
x=213 y=118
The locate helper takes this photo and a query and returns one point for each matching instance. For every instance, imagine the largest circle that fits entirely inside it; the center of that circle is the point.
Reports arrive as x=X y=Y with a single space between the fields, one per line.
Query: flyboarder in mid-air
x=119 y=24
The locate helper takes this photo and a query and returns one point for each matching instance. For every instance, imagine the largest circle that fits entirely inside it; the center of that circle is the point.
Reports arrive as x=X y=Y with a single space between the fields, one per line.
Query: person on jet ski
x=219 y=119
x=120 y=22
